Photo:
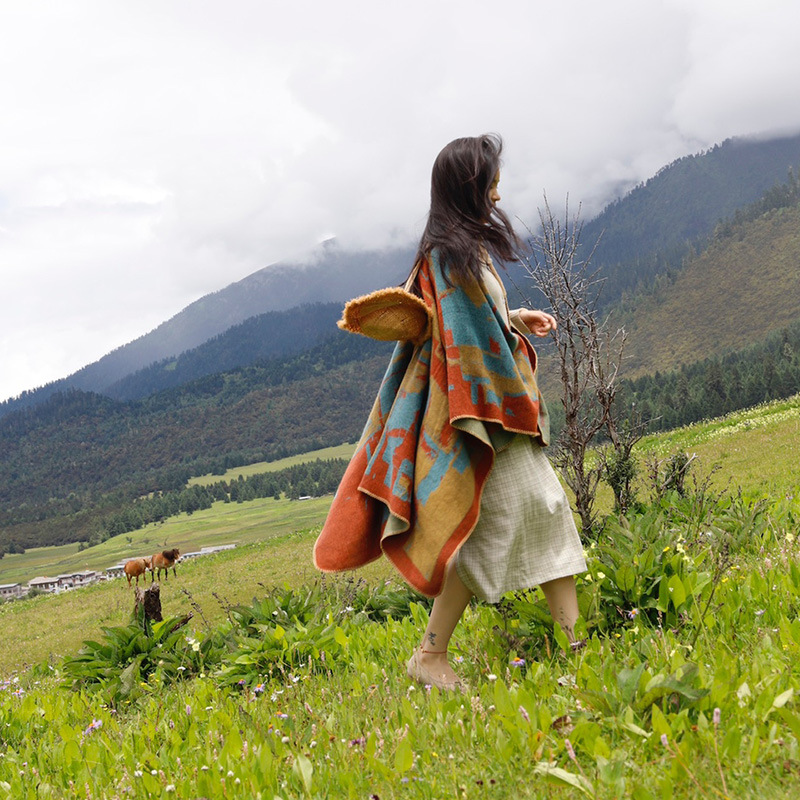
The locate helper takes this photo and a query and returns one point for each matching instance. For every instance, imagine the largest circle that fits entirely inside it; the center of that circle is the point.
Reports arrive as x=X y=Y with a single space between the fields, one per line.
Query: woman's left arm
x=539 y=323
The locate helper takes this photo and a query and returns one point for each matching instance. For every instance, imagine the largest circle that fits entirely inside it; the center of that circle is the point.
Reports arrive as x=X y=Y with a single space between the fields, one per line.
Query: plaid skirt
x=526 y=534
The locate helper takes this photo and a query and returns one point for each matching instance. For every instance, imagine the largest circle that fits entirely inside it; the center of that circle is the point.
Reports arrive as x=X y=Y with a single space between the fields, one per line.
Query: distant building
x=44 y=584
x=216 y=548
x=85 y=578
x=116 y=571
x=12 y=591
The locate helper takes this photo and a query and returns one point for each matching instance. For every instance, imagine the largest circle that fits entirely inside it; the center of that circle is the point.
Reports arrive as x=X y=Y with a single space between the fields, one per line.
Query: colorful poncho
x=412 y=490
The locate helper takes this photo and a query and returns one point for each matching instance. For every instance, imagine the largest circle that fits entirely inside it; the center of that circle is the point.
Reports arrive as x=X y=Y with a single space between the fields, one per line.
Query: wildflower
x=633 y=613
x=230 y=773
x=601 y=575
x=258 y=688
x=285 y=739
x=518 y=662
x=357 y=742
x=188 y=711
x=492 y=677
x=664 y=740
x=761 y=612
x=459 y=659
x=570 y=751
x=717 y=716
x=524 y=714
x=169 y=788
x=282 y=716
x=137 y=773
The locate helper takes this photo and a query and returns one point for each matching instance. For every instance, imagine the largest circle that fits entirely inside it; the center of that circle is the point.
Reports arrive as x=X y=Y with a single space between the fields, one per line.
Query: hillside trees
x=76 y=459
x=768 y=370
x=312 y=479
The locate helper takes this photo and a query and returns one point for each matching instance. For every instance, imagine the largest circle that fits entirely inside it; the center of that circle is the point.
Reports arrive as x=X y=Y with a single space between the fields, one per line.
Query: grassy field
x=757 y=450
x=224 y=523
x=49 y=626
x=687 y=688
x=340 y=451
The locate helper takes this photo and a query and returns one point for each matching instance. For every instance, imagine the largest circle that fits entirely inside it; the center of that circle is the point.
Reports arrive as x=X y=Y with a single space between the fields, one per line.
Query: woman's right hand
x=539 y=323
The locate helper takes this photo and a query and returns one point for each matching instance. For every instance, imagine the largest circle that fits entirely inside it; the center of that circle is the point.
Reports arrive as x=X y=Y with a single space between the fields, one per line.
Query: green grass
x=47 y=627
x=717 y=591
x=340 y=451
x=223 y=523
x=755 y=449
x=703 y=705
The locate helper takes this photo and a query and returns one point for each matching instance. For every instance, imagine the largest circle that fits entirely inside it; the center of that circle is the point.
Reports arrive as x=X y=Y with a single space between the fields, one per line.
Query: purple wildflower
x=717 y=716
x=524 y=714
x=518 y=662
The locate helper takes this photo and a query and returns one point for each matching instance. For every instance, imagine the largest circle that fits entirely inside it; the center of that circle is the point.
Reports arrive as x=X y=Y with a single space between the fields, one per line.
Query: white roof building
x=11 y=591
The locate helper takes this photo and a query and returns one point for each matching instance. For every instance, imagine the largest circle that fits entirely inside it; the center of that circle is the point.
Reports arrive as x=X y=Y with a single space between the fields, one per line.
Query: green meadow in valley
x=285 y=685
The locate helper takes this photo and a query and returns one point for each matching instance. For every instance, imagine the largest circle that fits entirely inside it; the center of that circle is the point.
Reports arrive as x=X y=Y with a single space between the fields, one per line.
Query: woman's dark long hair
x=462 y=217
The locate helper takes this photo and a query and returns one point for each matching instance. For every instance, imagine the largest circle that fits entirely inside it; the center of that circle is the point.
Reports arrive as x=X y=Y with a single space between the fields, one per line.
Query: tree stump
x=150 y=600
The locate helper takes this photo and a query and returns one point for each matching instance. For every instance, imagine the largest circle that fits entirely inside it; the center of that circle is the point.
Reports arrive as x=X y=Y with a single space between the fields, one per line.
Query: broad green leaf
x=628 y=682
x=404 y=756
x=304 y=770
x=783 y=698
x=659 y=722
x=677 y=591
x=341 y=637
x=559 y=775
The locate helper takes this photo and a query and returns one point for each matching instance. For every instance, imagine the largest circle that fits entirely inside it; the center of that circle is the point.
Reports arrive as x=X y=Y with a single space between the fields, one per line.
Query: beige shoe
x=422 y=675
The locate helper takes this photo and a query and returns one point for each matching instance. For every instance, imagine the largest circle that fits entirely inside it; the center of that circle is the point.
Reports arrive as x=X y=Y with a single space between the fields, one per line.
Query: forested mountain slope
x=646 y=233
x=650 y=230
x=743 y=287
x=80 y=455
x=270 y=335
x=330 y=277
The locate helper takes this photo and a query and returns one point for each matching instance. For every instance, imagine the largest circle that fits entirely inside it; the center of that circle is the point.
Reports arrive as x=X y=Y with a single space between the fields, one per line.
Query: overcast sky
x=154 y=151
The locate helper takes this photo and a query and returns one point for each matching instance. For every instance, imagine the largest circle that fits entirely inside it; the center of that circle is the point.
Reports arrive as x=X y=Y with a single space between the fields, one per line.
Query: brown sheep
x=136 y=567
x=164 y=560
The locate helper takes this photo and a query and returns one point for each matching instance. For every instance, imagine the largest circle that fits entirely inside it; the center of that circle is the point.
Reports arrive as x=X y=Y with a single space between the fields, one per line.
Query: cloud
x=153 y=152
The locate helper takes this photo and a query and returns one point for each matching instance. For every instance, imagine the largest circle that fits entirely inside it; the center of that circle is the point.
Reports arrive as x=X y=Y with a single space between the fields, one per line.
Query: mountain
x=331 y=276
x=262 y=384
x=737 y=291
x=646 y=233
x=79 y=456
x=262 y=337
x=655 y=226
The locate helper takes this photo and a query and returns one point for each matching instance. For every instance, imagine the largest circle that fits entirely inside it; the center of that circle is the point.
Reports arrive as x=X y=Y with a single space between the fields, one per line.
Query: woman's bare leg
x=445 y=614
x=563 y=602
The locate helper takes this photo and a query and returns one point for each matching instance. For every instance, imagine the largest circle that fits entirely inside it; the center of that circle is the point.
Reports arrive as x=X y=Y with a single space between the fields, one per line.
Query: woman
x=449 y=479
